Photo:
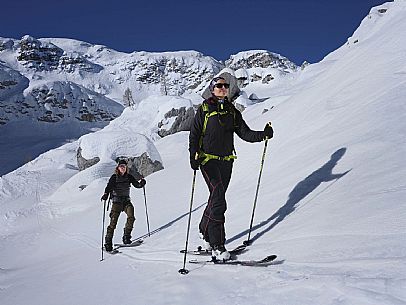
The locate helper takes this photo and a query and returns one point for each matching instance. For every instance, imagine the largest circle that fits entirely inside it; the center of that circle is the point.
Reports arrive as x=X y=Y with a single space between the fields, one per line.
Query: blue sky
x=298 y=29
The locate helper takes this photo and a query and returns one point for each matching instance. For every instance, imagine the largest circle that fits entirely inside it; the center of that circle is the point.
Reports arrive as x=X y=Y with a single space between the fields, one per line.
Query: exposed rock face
x=168 y=73
x=84 y=163
x=260 y=59
x=142 y=166
x=183 y=121
x=37 y=55
x=60 y=100
x=267 y=78
x=139 y=167
x=304 y=65
x=56 y=102
x=263 y=66
x=12 y=86
x=46 y=56
x=6 y=45
x=73 y=61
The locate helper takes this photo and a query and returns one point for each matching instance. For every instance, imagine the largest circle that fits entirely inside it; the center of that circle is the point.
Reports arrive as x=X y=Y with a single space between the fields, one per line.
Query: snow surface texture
x=331 y=203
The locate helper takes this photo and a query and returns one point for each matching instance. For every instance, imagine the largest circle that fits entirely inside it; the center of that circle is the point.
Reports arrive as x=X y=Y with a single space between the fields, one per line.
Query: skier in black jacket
x=211 y=147
x=119 y=189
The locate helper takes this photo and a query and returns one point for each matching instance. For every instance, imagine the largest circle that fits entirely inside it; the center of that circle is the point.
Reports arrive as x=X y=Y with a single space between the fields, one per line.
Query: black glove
x=142 y=182
x=104 y=197
x=194 y=164
x=268 y=131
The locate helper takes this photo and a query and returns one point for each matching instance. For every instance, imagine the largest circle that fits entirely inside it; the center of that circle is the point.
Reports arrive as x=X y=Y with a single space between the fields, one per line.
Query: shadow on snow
x=299 y=192
x=165 y=226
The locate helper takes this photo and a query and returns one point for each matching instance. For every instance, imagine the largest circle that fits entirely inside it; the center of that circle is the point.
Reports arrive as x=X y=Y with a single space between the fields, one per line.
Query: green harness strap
x=202 y=154
x=208 y=157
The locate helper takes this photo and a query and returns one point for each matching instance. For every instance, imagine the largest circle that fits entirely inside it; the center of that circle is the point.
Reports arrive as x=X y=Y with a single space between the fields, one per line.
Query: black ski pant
x=217 y=175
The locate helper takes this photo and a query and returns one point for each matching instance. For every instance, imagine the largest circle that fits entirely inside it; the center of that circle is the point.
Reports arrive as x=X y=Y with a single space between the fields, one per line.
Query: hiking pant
x=116 y=209
x=217 y=175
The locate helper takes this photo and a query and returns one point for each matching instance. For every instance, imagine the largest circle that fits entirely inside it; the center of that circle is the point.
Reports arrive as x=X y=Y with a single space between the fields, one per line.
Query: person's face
x=220 y=89
x=122 y=169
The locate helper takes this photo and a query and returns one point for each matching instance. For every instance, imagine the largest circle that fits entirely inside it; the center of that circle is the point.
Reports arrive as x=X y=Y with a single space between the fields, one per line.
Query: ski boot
x=127 y=237
x=220 y=253
x=108 y=241
x=206 y=245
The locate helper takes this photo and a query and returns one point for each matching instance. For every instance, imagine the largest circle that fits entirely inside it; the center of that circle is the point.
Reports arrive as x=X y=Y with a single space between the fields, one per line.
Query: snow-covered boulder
x=156 y=116
x=113 y=145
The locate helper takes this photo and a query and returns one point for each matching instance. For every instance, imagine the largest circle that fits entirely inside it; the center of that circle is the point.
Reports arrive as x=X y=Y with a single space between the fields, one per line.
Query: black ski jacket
x=119 y=185
x=219 y=135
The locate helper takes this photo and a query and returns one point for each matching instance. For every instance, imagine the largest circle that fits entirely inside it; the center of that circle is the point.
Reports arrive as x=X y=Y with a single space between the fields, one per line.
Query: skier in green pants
x=119 y=188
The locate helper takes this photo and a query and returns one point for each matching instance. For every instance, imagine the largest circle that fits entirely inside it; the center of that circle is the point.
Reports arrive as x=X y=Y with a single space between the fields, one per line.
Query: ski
x=134 y=243
x=253 y=263
x=201 y=251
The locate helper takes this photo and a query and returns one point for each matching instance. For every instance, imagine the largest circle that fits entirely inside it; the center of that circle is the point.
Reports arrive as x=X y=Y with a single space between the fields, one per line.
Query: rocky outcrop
x=142 y=166
x=46 y=56
x=304 y=65
x=183 y=119
x=85 y=163
x=12 y=86
x=6 y=44
x=64 y=100
x=139 y=167
x=70 y=62
x=260 y=59
x=37 y=55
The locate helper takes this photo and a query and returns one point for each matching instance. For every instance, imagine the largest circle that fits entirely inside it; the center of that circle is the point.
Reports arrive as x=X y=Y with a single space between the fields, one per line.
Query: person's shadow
x=299 y=192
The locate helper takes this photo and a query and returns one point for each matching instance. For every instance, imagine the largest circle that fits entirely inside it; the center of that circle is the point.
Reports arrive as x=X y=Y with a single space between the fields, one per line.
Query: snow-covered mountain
x=331 y=203
x=110 y=73
x=70 y=82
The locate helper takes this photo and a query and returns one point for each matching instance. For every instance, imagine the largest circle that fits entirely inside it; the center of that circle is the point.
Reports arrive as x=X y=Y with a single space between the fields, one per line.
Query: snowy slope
x=331 y=203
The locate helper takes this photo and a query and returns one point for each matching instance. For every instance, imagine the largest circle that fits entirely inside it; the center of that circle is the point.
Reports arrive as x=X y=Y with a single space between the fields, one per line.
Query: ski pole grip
x=270 y=125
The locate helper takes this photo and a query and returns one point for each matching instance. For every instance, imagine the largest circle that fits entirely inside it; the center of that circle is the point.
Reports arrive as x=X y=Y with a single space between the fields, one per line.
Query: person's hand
x=104 y=197
x=268 y=131
x=194 y=164
x=142 y=182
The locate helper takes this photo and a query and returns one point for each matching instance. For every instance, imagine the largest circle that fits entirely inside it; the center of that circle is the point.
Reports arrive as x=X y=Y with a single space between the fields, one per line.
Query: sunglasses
x=122 y=166
x=221 y=85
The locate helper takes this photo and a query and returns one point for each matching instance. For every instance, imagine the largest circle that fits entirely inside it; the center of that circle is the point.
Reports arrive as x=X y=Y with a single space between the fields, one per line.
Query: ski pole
x=146 y=210
x=104 y=218
x=183 y=270
x=248 y=241
x=108 y=203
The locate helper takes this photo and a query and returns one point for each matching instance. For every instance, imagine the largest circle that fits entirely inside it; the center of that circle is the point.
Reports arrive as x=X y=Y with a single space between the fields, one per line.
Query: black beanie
x=122 y=162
